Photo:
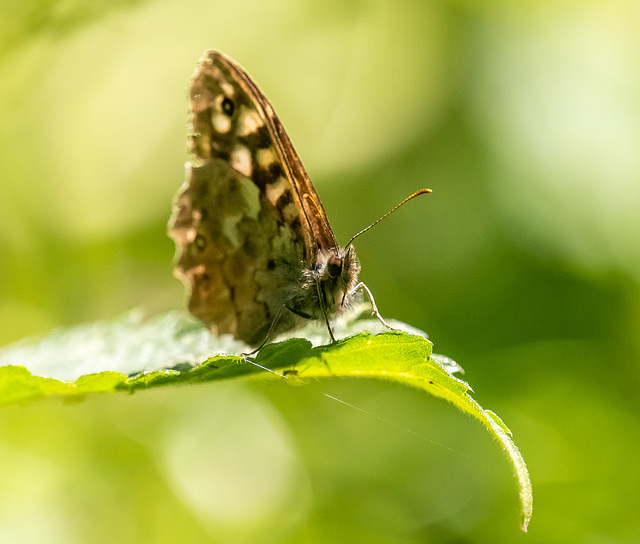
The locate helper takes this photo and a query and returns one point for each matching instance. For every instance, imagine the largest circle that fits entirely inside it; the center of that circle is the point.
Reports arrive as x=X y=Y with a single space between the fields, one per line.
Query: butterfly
x=253 y=242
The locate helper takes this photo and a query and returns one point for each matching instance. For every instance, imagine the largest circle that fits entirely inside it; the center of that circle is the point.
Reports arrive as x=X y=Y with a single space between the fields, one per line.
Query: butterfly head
x=336 y=274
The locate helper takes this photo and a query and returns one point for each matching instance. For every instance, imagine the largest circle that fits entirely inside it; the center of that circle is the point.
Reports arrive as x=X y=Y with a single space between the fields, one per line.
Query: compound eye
x=335 y=270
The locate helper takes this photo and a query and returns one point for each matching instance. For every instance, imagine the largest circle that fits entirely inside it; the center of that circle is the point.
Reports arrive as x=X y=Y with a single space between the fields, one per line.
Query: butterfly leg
x=326 y=320
x=321 y=298
x=273 y=327
x=269 y=333
x=374 y=311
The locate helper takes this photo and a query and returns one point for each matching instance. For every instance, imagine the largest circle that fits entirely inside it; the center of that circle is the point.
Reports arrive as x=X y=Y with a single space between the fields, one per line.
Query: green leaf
x=131 y=354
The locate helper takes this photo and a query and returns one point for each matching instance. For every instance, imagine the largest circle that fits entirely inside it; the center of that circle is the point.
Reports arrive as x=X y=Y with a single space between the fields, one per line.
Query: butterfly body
x=254 y=244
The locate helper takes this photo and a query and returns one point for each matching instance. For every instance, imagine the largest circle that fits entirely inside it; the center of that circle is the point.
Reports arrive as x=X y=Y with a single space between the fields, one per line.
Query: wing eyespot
x=228 y=107
x=200 y=242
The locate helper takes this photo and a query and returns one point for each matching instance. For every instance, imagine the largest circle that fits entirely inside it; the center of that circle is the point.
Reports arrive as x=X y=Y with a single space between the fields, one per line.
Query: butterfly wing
x=247 y=221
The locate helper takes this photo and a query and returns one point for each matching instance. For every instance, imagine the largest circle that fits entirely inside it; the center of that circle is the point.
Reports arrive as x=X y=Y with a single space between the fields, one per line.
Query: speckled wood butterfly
x=253 y=241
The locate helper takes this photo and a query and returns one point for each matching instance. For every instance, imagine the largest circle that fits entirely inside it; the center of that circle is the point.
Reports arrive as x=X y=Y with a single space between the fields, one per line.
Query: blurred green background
x=523 y=265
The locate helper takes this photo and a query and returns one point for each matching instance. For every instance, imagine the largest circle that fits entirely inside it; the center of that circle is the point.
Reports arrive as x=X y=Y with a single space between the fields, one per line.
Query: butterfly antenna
x=410 y=197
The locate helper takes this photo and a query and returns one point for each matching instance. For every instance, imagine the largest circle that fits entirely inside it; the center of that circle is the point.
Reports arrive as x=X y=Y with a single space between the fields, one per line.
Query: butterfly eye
x=335 y=270
x=228 y=106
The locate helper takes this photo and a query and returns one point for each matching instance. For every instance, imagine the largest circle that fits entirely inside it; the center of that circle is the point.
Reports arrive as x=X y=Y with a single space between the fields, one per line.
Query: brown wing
x=247 y=219
x=217 y=71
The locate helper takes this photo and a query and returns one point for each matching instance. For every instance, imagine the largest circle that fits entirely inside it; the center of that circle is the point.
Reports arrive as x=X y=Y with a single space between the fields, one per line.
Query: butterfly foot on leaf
x=374 y=308
x=384 y=323
x=245 y=357
x=246 y=354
